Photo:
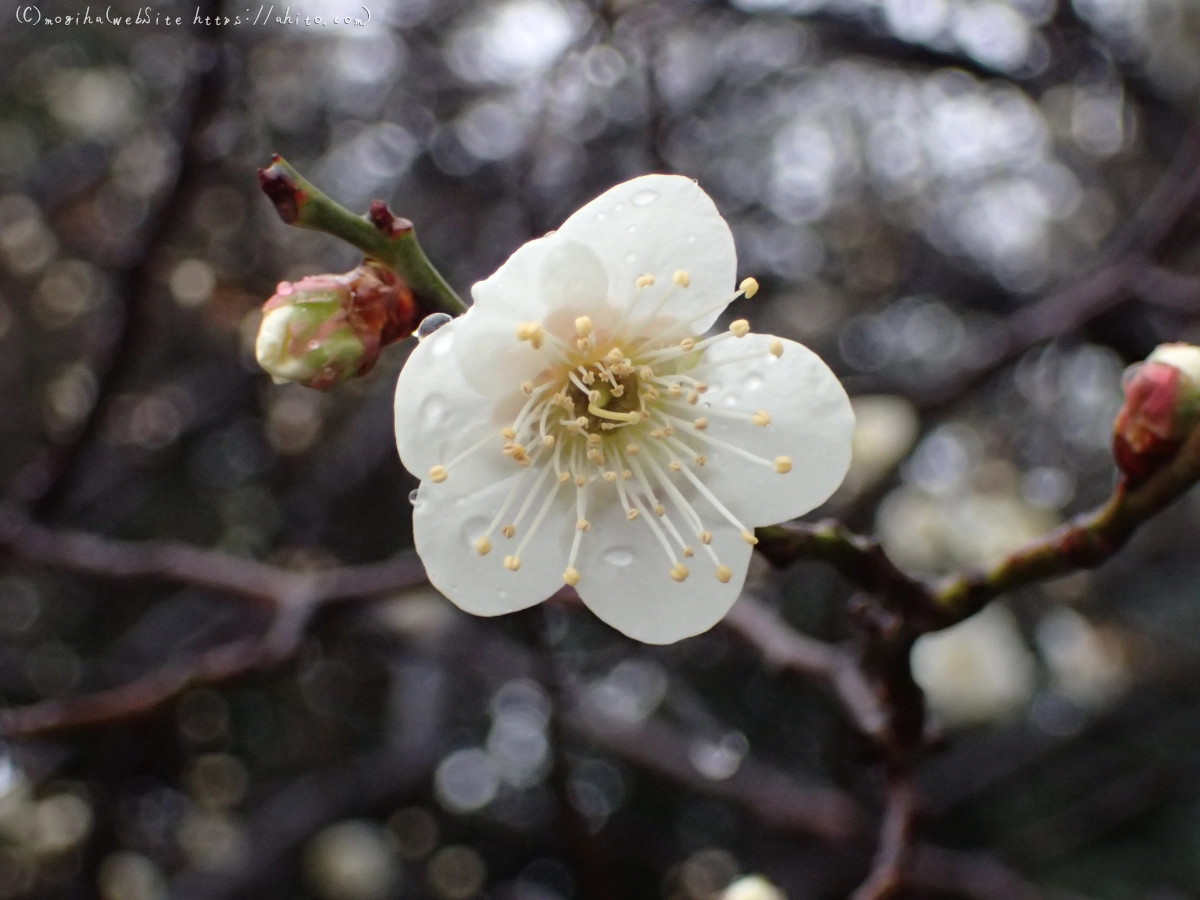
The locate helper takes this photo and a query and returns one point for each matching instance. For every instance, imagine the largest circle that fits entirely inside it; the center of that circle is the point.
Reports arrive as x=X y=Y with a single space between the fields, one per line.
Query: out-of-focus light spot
x=918 y=21
x=491 y=130
x=67 y=291
x=60 y=822
x=19 y=607
x=784 y=6
x=512 y=41
x=884 y=431
x=596 y=790
x=218 y=780
x=993 y=33
x=131 y=876
x=752 y=887
x=203 y=716
x=630 y=693
x=975 y=672
x=69 y=398
x=706 y=873
x=457 y=873
x=1047 y=487
x=1098 y=123
x=604 y=65
x=97 y=103
x=944 y=459
x=416 y=832
x=294 y=420
x=465 y=781
x=18 y=150
x=805 y=161
x=25 y=241
x=719 y=759
x=352 y=861
x=1086 y=665
x=192 y=282
x=212 y=841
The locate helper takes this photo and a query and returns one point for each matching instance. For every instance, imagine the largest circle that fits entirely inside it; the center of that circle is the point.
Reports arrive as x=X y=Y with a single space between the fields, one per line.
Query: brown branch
x=895 y=843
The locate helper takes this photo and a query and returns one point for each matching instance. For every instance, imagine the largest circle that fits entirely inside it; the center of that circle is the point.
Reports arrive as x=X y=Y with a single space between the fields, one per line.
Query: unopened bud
x=752 y=887
x=325 y=329
x=1162 y=406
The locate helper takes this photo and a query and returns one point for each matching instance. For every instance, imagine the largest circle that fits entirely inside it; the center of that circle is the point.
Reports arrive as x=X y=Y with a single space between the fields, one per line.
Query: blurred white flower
x=977 y=671
x=752 y=887
x=1085 y=664
x=577 y=411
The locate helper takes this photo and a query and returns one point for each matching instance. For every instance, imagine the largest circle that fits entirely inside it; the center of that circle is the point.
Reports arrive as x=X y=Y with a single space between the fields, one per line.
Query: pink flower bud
x=1162 y=405
x=325 y=329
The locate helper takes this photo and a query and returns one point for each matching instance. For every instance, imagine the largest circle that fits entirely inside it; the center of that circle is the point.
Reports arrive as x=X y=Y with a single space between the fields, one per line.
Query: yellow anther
x=656 y=434
x=508 y=530
x=702 y=387
x=682 y=278
x=675 y=465
x=644 y=280
x=776 y=347
x=512 y=563
x=700 y=460
x=646 y=373
x=675 y=389
x=583 y=345
x=582 y=421
x=580 y=480
x=626 y=474
x=669 y=430
x=571 y=576
x=749 y=538
x=618 y=391
x=564 y=477
x=679 y=572
x=651 y=394
x=687 y=345
x=724 y=573
x=589 y=377
x=701 y=423
x=693 y=398
x=594 y=439
x=610 y=476
x=739 y=327
x=438 y=474
x=593 y=396
x=631 y=515
x=527 y=330
x=615 y=355
x=659 y=509
x=548 y=441
x=483 y=546
x=761 y=418
x=508 y=433
x=688 y=551
x=633 y=449
x=783 y=464
x=583 y=326
x=596 y=456
x=583 y=525
x=706 y=537
x=526 y=388
x=749 y=287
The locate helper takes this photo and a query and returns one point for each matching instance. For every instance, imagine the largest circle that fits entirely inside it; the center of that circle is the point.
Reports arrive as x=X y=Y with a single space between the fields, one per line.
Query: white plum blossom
x=575 y=425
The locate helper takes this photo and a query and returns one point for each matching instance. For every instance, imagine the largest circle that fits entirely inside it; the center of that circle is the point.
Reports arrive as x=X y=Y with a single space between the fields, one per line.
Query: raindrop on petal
x=431 y=323
x=644 y=198
x=618 y=556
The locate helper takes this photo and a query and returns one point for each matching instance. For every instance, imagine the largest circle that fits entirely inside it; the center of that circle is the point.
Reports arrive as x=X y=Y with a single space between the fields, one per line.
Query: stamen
x=571 y=575
x=775 y=347
x=541 y=515
x=511 y=529
x=682 y=278
x=438 y=474
x=783 y=464
x=724 y=574
x=679 y=572
x=747 y=534
x=749 y=287
x=644 y=281
x=739 y=328
x=761 y=418
x=583 y=326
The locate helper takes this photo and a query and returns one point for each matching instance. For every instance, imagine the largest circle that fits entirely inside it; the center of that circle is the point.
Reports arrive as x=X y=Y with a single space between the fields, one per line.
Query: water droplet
x=752 y=382
x=431 y=323
x=631 y=256
x=619 y=557
x=412 y=496
x=631 y=229
x=730 y=400
x=600 y=217
x=690 y=239
x=620 y=207
x=644 y=198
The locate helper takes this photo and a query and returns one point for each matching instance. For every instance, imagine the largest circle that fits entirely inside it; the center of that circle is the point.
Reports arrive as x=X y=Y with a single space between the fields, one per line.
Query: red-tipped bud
x=1162 y=406
x=325 y=329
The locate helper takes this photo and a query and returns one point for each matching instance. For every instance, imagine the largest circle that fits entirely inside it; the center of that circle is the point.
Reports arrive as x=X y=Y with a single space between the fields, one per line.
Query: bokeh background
x=953 y=201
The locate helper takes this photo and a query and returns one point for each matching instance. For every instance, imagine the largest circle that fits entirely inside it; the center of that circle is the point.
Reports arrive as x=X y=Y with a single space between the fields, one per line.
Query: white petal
x=658 y=225
x=625 y=577
x=439 y=415
x=492 y=359
x=511 y=285
x=812 y=423
x=446 y=525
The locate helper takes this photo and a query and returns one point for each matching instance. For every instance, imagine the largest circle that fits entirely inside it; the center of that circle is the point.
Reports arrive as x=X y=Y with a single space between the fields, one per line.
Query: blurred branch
x=895 y=843
x=380 y=235
x=45 y=482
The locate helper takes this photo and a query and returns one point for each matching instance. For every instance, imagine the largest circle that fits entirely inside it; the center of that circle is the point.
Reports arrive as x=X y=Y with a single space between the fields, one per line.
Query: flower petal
x=625 y=577
x=439 y=414
x=658 y=225
x=446 y=525
x=510 y=286
x=811 y=422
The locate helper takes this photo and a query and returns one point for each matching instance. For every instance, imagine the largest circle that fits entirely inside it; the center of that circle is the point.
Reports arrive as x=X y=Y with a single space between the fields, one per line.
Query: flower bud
x=1162 y=406
x=325 y=329
x=752 y=887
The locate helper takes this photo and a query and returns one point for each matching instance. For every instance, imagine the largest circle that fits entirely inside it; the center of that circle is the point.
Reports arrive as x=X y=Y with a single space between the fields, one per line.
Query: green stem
x=380 y=235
